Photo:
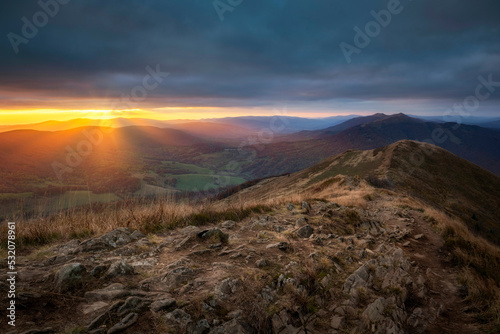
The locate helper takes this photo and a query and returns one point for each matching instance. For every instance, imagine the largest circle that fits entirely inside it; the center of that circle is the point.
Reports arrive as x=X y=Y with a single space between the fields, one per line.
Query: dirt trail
x=425 y=246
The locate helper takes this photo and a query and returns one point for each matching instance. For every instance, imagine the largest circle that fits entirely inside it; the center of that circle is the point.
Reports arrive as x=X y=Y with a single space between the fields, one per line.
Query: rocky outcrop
x=276 y=273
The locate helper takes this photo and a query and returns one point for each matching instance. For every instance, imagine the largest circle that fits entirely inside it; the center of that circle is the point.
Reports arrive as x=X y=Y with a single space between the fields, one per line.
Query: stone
x=184 y=242
x=304 y=231
x=235 y=314
x=177 y=276
x=201 y=327
x=125 y=323
x=70 y=276
x=227 y=287
x=180 y=317
x=98 y=270
x=163 y=304
x=112 y=291
x=133 y=304
x=119 y=268
x=278 y=228
x=301 y=222
x=136 y=235
x=231 y=327
x=284 y=246
x=418 y=236
x=306 y=206
x=111 y=240
x=290 y=207
x=375 y=311
x=94 y=307
x=337 y=322
x=214 y=233
x=261 y=263
x=229 y=224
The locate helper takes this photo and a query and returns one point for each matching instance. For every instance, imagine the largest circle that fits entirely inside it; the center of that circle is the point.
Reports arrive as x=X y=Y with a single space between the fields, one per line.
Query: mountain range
x=133 y=160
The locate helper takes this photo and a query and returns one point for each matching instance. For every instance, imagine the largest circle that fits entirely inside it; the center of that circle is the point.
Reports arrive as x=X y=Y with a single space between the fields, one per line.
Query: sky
x=63 y=59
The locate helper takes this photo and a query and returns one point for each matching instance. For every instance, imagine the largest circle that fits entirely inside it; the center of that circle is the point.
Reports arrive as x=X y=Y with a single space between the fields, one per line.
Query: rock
x=337 y=322
x=112 y=292
x=98 y=270
x=284 y=246
x=125 y=323
x=261 y=263
x=214 y=233
x=97 y=306
x=175 y=277
x=133 y=304
x=375 y=311
x=418 y=236
x=136 y=235
x=235 y=314
x=119 y=268
x=180 y=317
x=231 y=327
x=290 y=207
x=201 y=327
x=278 y=228
x=184 y=242
x=227 y=287
x=304 y=231
x=301 y=222
x=70 y=276
x=119 y=237
x=283 y=323
x=306 y=206
x=58 y=259
x=229 y=224
x=163 y=304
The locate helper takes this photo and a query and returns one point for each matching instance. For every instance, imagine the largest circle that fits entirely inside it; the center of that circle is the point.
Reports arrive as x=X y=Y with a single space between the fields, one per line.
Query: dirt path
x=426 y=248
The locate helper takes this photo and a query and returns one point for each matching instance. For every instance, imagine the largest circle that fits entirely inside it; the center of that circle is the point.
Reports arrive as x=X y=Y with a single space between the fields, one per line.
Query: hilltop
x=358 y=243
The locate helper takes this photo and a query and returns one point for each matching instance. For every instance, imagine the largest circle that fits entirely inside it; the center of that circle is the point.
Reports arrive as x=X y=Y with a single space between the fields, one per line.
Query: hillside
x=320 y=251
x=438 y=177
x=473 y=143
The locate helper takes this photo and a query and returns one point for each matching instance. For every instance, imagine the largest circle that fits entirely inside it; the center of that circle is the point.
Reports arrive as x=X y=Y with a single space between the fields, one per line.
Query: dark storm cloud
x=263 y=51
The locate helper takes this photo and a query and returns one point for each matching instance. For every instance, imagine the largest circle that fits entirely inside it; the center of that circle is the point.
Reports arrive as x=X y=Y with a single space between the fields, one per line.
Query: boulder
x=304 y=231
x=70 y=276
x=119 y=268
x=125 y=323
x=163 y=304
x=215 y=234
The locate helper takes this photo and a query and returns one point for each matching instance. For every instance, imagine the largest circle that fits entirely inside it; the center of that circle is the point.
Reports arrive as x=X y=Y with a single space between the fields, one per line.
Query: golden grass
x=480 y=263
x=148 y=218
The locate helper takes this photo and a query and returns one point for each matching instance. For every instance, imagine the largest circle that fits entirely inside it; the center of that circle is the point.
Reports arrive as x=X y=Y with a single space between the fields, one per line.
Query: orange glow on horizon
x=30 y=116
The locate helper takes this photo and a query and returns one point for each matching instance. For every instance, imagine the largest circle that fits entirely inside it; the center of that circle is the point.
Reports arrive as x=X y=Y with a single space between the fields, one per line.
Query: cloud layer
x=264 y=53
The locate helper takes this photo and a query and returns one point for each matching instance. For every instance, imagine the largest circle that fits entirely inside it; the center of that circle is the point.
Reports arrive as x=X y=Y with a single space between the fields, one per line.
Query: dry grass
x=150 y=218
x=480 y=263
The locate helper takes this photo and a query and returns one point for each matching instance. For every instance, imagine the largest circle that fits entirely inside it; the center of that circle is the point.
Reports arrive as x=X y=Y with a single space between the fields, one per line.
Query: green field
x=186 y=168
x=199 y=182
x=15 y=196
